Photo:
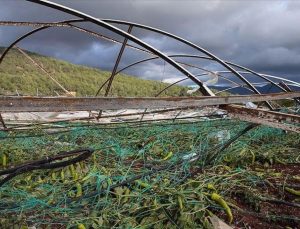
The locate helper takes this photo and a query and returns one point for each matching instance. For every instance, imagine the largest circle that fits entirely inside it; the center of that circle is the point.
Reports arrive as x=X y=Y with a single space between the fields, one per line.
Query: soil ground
x=256 y=214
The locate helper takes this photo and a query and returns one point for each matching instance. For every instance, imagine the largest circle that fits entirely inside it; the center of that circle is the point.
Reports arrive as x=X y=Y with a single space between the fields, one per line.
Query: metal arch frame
x=202 y=57
x=263 y=76
x=140 y=26
x=66 y=24
x=271 y=76
x=283 y=79
x=212 y=57
x=104 y=23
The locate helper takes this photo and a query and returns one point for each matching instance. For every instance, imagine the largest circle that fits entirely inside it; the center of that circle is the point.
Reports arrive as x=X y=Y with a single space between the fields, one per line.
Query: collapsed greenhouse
x=191 y=161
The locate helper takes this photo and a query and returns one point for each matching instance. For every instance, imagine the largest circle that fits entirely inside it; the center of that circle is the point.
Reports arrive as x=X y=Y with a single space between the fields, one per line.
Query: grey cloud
x=262 y=35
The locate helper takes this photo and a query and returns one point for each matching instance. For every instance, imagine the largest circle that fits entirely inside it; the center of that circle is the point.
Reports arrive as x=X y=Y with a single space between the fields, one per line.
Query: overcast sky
x=261 y=35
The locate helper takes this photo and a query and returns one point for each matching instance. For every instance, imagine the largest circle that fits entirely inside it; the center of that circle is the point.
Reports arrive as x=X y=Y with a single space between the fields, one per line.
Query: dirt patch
x=255 y=213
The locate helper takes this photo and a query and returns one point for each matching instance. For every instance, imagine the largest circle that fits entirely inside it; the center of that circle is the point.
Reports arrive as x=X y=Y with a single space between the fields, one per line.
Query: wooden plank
x=59 y=104
x=264 y=117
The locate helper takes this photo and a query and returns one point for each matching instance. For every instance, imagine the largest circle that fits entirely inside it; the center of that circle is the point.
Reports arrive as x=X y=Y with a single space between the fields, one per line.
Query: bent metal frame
x=236 y=75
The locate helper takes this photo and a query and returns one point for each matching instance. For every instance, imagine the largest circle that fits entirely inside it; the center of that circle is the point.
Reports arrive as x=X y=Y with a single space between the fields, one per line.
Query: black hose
x=46 y=163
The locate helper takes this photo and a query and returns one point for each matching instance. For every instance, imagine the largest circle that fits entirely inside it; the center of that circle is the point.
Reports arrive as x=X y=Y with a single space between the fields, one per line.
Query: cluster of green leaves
x=19 y=75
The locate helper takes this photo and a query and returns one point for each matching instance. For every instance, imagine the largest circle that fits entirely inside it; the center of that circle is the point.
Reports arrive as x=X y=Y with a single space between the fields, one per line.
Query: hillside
x=18 y=74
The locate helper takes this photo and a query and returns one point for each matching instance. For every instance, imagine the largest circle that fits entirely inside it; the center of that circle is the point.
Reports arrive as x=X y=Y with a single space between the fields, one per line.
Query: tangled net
x=159 y=175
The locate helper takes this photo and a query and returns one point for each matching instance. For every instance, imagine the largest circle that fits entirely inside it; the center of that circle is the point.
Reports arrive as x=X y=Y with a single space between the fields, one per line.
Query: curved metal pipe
x=209 y=71
x=280 y=78
x=291 y=82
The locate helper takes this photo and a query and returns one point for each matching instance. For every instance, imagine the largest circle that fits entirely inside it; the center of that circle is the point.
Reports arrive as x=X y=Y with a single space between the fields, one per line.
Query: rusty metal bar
x=264 y=117
x=56 y=104
x=33 y=24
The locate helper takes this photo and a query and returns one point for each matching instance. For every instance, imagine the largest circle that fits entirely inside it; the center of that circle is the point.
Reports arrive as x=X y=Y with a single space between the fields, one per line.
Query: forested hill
x=20 y=76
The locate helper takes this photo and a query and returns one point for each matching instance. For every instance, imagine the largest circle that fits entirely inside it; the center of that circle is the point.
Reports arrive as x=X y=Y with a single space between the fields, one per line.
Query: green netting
x=166 y=169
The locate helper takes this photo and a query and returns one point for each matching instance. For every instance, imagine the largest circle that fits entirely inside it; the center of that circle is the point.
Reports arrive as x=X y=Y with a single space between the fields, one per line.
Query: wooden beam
x=59 y=104
x=265 y=117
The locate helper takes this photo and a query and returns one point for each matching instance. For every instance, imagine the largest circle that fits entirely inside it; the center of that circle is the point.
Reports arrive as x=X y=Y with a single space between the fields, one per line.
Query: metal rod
x=113 y=73
x=111 y=78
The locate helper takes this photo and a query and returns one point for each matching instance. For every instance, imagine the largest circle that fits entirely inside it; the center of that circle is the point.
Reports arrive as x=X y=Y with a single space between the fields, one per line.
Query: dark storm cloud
x=262 y=35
